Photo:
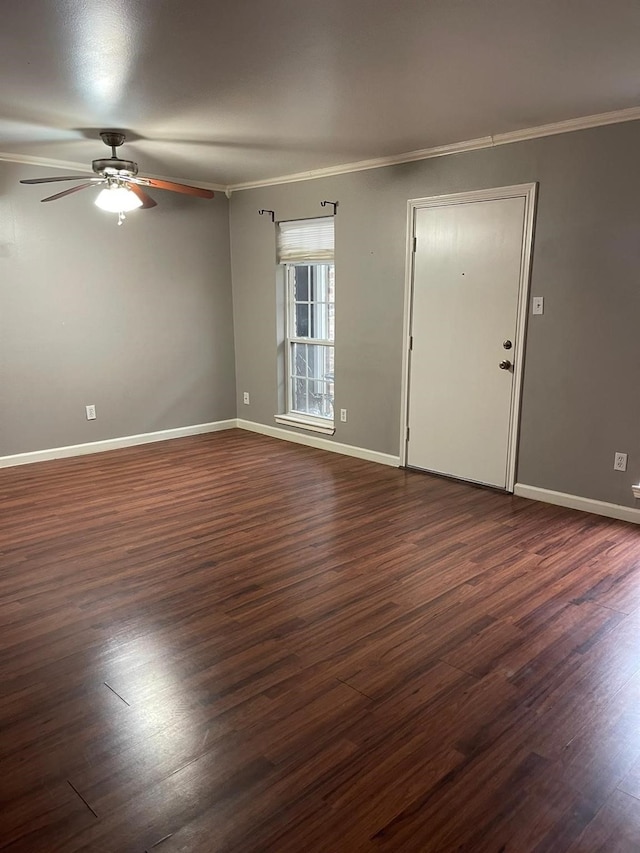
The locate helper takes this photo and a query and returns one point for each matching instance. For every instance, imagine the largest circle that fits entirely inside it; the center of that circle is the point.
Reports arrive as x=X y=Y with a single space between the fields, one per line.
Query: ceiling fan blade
x=176 y=188
x=146 y=199
x=65 y=178
x=67 y=192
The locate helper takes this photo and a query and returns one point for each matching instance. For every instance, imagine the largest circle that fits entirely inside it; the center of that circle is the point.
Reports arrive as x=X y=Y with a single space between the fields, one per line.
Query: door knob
x=505 y=365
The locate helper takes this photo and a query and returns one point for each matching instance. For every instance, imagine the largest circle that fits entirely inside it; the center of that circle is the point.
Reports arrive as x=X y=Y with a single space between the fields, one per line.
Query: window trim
x=322 y=425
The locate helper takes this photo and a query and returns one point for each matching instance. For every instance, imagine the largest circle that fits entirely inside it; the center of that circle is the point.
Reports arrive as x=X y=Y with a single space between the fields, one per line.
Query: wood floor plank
x=615 y=828
x=231 y=643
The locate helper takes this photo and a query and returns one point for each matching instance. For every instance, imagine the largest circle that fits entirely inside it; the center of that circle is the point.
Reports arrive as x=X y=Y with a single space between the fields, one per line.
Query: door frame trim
x=529 y=193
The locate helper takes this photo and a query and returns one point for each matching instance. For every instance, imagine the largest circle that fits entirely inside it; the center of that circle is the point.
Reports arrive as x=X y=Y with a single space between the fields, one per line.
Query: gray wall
x=580 y=402
x=139 y=320
x=136 y=319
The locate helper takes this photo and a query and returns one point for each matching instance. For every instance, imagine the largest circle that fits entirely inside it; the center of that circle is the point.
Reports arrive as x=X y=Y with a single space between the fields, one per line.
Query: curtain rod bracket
x=333 y=203
x=272 y=212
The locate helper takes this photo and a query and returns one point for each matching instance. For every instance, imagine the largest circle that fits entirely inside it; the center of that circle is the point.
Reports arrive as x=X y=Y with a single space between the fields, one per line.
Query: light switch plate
x=538 y=304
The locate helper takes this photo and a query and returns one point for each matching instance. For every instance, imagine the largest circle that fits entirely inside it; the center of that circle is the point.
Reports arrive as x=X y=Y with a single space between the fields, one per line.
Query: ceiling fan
x=123 y=187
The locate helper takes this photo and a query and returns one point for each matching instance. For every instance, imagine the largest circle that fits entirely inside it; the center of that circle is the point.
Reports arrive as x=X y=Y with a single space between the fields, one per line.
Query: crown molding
x=567 y=126
x=26 y=160
x=553 y=129
x=363 y=165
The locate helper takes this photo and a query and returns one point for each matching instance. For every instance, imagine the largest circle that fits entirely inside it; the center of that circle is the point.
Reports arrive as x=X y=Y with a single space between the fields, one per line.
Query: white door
x=469 y=281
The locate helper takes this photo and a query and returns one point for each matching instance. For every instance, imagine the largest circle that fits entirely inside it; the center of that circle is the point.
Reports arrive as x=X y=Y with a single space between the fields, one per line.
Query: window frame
x=292 y=339
x=317 y=423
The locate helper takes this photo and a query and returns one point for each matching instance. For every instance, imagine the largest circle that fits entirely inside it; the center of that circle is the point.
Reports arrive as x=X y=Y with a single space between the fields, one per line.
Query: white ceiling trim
x=568 y=126
x=43 y=161
x=583 y=123
x=377 y=163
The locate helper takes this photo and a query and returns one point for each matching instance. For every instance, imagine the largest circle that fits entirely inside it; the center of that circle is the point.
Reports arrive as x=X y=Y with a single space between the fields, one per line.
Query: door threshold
x=500 y=489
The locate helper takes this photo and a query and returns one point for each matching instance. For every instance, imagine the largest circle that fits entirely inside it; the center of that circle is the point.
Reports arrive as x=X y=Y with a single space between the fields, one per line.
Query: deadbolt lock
x=507 y=344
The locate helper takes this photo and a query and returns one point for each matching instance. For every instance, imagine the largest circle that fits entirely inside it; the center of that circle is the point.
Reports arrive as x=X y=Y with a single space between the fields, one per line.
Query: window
x=305 y=248
x=310 y=337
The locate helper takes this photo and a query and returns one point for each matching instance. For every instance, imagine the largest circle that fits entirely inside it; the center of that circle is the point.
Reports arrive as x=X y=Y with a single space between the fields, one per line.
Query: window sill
x=312 y=424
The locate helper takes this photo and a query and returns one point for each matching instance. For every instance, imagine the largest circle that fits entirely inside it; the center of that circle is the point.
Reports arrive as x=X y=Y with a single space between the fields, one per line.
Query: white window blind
x=306 y=240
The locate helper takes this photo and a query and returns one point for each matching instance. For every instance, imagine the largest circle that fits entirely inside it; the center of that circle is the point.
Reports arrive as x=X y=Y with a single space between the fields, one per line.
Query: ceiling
x=240 y=91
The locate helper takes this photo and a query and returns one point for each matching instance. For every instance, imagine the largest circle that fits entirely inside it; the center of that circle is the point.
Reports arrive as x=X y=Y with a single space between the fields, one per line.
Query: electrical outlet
x=245 y=398
x=91 y=413
x=343 y=416
x=620 y=462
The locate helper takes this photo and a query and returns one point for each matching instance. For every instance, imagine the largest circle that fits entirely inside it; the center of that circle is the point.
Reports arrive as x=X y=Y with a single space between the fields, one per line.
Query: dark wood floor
x=231 y=643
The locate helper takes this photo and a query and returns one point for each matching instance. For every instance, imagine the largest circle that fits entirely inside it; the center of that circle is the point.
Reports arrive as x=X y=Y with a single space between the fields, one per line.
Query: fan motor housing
x=114 y=166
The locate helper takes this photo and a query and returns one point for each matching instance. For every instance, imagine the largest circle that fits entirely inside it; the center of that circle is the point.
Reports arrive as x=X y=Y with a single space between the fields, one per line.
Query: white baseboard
x=113 y=443
x=197 y=429
x=321 y=443
x=622 y=513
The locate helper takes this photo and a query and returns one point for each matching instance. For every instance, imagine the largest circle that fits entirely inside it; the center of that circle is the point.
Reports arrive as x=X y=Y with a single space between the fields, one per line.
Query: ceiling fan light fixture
x=123 y=191
x=117 y=199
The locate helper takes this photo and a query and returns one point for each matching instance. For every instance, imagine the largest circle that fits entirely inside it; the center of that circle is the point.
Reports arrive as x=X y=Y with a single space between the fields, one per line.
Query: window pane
x=311 y=360
x=301 y=283
x=312 y=379
x=320 y=325
x=313 y=293
x=301 y=320
x=299 y=394
x=321 y=283
x=299 y=360
x=312 y=397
